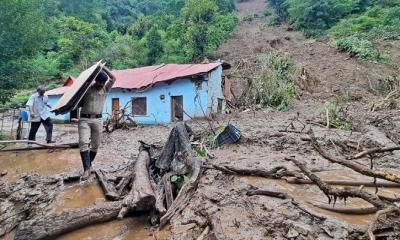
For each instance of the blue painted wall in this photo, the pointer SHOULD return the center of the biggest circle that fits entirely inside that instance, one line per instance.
(198, 99)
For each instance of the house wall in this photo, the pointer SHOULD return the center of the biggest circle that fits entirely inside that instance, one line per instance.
(215, 90)
(198, 100)
(159, 110)
(52, 101)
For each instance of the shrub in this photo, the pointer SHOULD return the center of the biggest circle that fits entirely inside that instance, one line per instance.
(275, 87)
(337, 113)
(361, 48)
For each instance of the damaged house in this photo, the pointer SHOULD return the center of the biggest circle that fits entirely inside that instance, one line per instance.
(160, 94)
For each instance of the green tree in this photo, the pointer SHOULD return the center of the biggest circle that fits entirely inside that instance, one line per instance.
(79, 42)
(197, 16)
(22, 31)
(154, 45)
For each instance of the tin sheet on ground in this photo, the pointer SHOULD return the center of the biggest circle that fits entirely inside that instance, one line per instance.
(70, 100)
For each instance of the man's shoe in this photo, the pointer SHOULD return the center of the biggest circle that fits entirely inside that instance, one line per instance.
(85, 175)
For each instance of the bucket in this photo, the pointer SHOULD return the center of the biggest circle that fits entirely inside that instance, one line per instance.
(24, 116)
(230, 134)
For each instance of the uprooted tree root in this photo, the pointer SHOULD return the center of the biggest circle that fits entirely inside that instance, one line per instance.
(381, 205)
(140, 187)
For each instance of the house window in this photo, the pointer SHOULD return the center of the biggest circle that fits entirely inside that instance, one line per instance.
(139, 106)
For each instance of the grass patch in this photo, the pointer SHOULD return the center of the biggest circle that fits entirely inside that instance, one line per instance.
(336, 110)
(360, 48)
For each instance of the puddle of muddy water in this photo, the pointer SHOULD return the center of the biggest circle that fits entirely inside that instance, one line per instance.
(77, 196)
(40, 161)
(309, 193)
(88, 194)
(128, 229)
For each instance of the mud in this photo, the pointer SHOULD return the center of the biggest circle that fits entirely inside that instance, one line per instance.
(89, 194)
(43, 162)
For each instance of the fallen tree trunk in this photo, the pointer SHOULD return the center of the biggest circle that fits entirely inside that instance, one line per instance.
(141, 195)
(49, 227)
(354, 166)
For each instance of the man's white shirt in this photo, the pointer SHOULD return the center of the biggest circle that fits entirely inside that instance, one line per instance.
(39, 106)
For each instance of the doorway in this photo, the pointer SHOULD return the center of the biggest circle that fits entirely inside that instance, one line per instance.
(176, 108)
(115, 108)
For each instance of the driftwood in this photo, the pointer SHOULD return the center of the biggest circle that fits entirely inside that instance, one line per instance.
(346, 210)
(280, 195)
(293, 180)
(204, 234)
(160, 197)
(178, 142)
(375, 150)
(339, 193)
(109, 189)
(274, 173)
(268, 193)
(378, 214)
(41, 145)
(51, 226)
(123, 184)
(354, 166)
(169, 196)
(185, 194)
(141, 195)
(144, 191)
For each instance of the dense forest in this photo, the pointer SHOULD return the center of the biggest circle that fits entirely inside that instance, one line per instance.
(354, 25)
(42, 41)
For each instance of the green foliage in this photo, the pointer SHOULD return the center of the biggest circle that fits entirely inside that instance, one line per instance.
(355, 24)
(179, 180)
(46, 40)
(18, 100)
(275, 87)
(361, 48)
(22, 31)
(336, 111)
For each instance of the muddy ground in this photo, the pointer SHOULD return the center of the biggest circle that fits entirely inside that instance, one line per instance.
(221, 201)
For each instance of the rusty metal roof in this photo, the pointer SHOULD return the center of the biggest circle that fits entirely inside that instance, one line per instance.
(137, 78)
(61, 90)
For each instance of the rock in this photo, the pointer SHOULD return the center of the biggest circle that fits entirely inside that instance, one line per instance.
(292, 233)
(3, 173)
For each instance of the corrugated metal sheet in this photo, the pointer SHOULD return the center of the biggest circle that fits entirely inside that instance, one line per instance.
(138, 78)
(77, 90)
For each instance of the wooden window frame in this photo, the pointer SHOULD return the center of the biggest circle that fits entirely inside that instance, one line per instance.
(144, 113)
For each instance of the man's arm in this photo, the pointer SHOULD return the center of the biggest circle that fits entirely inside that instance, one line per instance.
(111, 80)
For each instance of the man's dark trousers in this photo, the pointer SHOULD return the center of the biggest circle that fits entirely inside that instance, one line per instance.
(48, 126)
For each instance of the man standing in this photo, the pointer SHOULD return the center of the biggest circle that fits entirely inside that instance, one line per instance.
(38, 109)
(90, 123)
